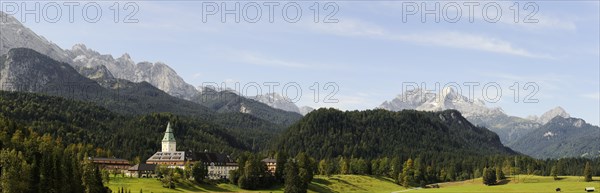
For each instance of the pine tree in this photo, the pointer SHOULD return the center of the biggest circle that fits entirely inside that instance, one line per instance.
(408, 174)
(344, 166)
(281, 159)
(323, 168)
(442, 176)
(553, 172)
(587, 172)
(293, 183)
(199, 172)
(489, 176)
(305, 169)
(499, 174)
(15, 171)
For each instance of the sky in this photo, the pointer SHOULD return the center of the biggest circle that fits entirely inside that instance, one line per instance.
(352, 54)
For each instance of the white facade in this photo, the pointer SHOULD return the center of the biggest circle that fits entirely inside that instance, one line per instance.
(216, 172)
(169, 146)
(168, 142)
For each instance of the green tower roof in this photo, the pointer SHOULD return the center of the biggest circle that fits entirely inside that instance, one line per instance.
(169, 134)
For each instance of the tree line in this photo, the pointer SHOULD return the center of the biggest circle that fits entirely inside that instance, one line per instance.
(32, 163)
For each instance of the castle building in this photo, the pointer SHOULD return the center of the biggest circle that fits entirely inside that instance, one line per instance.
(168, 154)
(218, 165)
(168, 143)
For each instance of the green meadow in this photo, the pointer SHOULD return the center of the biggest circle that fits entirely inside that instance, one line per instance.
(520, 184)
(370, 184)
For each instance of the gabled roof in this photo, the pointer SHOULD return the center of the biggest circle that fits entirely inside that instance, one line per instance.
(207, 157)
(143, 167)
(104, 159)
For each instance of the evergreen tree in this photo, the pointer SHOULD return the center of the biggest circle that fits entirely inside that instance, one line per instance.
(344, 166)
(408, 174)
(14, 172)
(553, 172)
(587, 173)
(254, 174)
(489, 176)
(199, 172)
(92, 180)
(281, 159)
(293, 183)
(323, 167)
(395, 167)
(305, 169)
(499, 174)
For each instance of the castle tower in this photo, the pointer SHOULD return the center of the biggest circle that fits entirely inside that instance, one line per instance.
(168, 141)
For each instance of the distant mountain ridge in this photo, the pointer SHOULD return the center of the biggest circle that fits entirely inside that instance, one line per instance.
(15, 35)
(275, 100)
(522, 134)
(561, 137)
(509, 128)
(549, 115)
(104, 68)
(158, 74)
(227, 101)
(26, 70)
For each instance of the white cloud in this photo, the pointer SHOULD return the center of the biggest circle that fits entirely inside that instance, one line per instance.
(467, 41)
(594, 96)
(453, 39)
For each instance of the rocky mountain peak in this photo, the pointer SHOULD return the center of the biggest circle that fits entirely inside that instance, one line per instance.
(551, 114)
(305, 110)
(448, 98)
(277, 101)
(15, 35)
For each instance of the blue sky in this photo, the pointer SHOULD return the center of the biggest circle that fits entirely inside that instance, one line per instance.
(368, 53)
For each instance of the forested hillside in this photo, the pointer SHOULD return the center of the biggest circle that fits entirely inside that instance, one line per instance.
(129, 136)
(328, 133)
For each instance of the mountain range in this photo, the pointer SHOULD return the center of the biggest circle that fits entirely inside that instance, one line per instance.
(160, 75)
(513, 131)
(31, 63)
(561, 137)
(122, 73)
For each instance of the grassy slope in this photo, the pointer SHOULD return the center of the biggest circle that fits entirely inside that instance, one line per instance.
(356, 184)
(524, 184)
(336, 183)
(353, 183)
(153, 185)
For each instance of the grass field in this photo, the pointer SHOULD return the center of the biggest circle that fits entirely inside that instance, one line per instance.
(148, 185)
(353, 184)
(360, 184)
(522, 184)
(336, 183)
